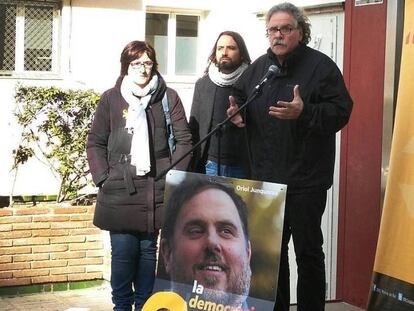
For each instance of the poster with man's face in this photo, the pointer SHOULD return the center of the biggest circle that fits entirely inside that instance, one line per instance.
(220, 244)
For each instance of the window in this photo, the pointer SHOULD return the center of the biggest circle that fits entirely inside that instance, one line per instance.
(174, 38)
(28, 40)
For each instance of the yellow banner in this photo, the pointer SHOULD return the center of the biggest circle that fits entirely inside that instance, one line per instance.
(395, 251)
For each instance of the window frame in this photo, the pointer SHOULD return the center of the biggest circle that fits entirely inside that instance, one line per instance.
(170, 75)
(19, 72)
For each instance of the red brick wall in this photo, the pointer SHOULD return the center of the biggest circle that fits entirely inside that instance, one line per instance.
(48, 243)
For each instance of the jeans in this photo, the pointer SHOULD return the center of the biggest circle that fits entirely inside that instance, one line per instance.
(225, 170)
(303, 215)
(133, 265)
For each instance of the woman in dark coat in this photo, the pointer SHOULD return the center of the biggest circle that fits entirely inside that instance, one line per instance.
(127, 147)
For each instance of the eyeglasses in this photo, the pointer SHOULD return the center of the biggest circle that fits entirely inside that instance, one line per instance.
(284, 30)
(137, 65)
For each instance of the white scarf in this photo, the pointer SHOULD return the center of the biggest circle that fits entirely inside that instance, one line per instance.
(136, 121)
(223, 79)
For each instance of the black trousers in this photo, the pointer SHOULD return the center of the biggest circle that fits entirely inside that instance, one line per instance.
(303, 214)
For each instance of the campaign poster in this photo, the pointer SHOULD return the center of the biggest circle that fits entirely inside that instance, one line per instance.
(392, 286)
(220, 244)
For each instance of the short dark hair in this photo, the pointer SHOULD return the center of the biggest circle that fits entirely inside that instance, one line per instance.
(189, 188)
(134, 50)
(244, 53)
(298, 15)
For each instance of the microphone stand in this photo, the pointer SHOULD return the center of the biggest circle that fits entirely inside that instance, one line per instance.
(219, 128)
(219, 134)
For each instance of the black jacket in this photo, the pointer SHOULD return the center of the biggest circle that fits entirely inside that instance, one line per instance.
(204, 103)
(127, 202)
(301, 152)
(200, 119)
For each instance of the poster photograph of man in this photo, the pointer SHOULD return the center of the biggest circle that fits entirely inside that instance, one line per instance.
(220, 242)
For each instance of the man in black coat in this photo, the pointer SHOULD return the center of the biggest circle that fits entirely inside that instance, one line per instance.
(228, 60)
(291, 128)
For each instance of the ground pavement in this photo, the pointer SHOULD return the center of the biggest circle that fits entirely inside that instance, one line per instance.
(90, 299)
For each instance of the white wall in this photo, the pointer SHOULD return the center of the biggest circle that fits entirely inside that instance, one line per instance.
(9, 137)
(93, 34)
(33, 177)
(98, 31)
(327, 37)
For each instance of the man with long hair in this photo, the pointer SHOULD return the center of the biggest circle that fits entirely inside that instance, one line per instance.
(227, 61)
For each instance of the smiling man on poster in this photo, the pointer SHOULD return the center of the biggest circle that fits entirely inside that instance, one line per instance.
(206, 246)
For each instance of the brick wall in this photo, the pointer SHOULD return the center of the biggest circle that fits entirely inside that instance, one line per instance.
(48, 243)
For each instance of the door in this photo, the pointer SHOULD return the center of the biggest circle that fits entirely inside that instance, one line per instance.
(327, 37)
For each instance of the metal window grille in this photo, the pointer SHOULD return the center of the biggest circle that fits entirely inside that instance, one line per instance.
(28, 34)
(38, 38)
(7, 37)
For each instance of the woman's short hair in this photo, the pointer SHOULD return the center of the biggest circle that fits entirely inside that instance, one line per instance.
(133, 51)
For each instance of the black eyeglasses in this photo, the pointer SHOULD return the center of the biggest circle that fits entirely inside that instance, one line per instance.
(284, 30)
(147, 65)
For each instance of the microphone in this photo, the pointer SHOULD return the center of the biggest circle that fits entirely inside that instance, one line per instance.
(273, 69)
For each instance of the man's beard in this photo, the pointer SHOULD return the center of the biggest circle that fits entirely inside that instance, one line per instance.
(234, 294)
(229, 66)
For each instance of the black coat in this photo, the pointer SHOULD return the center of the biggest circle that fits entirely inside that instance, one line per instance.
(200, 118)
(127, 202)
(205, 101)
(301, 152)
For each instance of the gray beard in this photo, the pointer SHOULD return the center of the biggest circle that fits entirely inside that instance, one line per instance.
(220, 297)
(235, 297)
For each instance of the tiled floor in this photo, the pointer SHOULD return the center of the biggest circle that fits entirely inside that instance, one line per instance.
(92, 299)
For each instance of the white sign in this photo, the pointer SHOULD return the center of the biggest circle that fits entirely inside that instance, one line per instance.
(367, 2)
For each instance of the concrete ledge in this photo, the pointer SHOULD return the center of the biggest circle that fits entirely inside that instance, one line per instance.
(51, 287)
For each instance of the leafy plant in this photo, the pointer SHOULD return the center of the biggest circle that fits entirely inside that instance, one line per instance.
(55, 122)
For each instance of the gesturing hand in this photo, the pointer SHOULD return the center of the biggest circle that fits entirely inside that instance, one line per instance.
(288, 110)
(237, 119)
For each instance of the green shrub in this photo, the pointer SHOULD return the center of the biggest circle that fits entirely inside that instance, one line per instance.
(55, 122)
